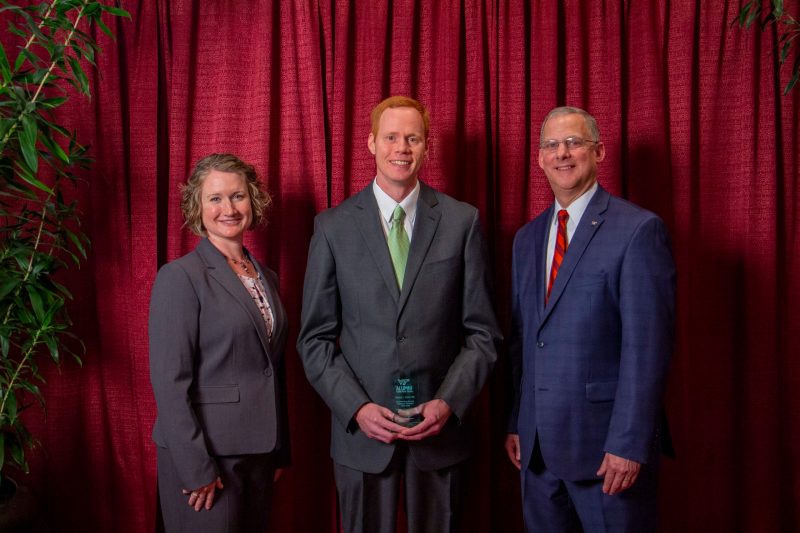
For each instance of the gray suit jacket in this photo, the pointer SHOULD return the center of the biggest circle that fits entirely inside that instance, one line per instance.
(359, 331)
(217, 377)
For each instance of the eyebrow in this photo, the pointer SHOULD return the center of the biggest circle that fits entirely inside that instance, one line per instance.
(221, 194)
(404, 135)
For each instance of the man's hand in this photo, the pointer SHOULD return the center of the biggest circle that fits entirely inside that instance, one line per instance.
(204, 496)
(620, 473)
(434, 416)
(379, 423)
(512, 449)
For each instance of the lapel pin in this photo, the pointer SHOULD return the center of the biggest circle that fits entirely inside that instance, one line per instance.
(594, 222)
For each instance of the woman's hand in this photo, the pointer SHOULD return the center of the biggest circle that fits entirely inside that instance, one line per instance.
(204, 496)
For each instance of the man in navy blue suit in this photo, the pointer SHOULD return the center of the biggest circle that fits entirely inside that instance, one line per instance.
(592, 333)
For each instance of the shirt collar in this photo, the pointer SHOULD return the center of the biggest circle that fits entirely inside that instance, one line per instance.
(578, 206)
(386, 203)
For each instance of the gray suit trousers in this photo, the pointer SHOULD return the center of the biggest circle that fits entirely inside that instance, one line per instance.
(368, 502)
(243, 505)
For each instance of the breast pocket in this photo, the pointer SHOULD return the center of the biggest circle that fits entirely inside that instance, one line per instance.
(443, 265)
(588, 280)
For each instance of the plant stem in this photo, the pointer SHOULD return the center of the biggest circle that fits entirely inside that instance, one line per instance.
(44, 201)
(29, 269)
(25, 357)
(47, 75)
(50, 9)
(45, 17)
(66, 42)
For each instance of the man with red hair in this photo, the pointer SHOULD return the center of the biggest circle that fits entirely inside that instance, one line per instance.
(398, 333)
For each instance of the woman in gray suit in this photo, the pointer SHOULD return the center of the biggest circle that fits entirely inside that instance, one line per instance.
(217, 332)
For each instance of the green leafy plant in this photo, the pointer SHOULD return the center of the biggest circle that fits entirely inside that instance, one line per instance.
(788, 30)
(42, 55)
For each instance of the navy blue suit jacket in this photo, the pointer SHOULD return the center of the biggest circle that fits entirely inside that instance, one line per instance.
(590, 366)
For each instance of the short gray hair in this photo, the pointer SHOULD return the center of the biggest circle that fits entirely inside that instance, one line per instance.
(591, 123)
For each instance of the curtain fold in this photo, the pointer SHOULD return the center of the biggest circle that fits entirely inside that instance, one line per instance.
(696, 129)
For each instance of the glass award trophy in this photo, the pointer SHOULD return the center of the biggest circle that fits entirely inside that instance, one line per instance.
(405, 400)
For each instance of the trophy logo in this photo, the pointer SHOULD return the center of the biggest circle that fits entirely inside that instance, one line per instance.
(405, 399)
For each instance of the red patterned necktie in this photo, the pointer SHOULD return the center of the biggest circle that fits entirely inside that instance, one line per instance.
(560, 250)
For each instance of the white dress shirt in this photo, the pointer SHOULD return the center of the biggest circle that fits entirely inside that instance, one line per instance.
(575, 210)
(386, 205)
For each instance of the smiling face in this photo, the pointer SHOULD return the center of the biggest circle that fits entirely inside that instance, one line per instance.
(226, 212)
(399, 148)
(570, 172)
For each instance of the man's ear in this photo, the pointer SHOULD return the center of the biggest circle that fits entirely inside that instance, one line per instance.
(600, 150)
(371, 143)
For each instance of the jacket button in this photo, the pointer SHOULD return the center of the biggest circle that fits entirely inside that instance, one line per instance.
(540, 344)
(401, 339)
(268, 371)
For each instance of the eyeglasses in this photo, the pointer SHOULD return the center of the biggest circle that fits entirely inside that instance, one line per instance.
(570, 143)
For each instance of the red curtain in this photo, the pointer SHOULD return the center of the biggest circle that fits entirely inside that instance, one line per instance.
(696, 130)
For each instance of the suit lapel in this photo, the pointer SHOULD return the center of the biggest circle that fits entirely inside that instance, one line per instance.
(219, 270)
(425, 225)
(590, 222)
(368, 223)
(279, 319)
(540, 244)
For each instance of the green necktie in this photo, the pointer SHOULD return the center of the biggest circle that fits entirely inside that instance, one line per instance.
(398, 244)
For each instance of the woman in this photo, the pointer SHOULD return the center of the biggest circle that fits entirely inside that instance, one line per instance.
(217, 333)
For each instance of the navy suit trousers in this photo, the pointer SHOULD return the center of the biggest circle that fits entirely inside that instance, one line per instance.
(553, 505)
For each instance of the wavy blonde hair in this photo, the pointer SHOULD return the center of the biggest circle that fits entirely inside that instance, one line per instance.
(192, 204)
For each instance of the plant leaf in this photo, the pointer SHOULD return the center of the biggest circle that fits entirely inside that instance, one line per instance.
(79, 74)
(36, 301)
(32, 388)
(26, 175)
(5, 68)
(18, 455)
(741, 18)
(76, 241)
(51, 103)
(795, 77)
(91, 9)
(116, 11)
(7, 286)
(787, 46)
(52, 345)
(4, 346)
(27, 142)
(15, 30)
(103, 27)
(752, 16)
(11, 407)
(33, 27)
(24, 54)
(55, 148)
(61, 289)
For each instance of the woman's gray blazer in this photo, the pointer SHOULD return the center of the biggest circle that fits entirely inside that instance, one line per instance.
(218, 378)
